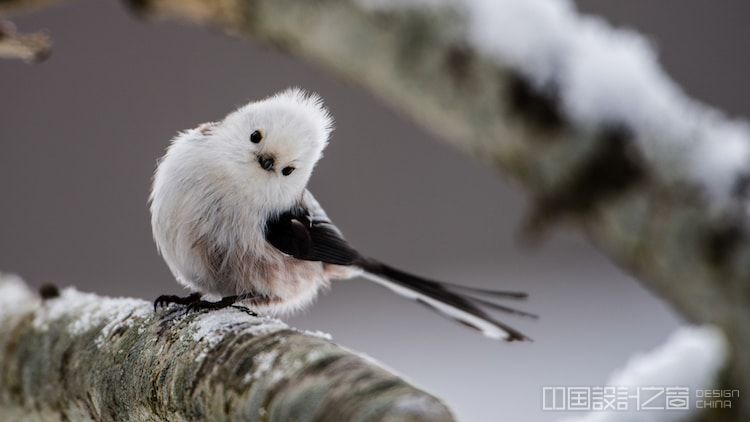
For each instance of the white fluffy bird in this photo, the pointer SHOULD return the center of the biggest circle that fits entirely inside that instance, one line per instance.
(232, 217)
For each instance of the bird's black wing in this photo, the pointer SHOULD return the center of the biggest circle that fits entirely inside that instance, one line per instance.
(305, 232)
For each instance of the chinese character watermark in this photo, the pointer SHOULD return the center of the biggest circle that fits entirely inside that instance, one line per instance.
(631, 398)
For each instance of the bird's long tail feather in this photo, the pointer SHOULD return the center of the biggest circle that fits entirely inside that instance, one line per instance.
(461, 303)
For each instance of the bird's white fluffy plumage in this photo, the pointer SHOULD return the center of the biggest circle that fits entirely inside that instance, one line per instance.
(211, 200)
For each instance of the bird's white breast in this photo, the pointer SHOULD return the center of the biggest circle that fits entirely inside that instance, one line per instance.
(205, 217)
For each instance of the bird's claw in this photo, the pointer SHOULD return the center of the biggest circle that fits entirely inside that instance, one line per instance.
(193, 303)
(165, 300)
(246, 310)
(200, 305)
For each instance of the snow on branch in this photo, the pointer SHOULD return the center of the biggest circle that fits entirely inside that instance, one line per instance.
(603, 77)
(81, 356)
(691, 358)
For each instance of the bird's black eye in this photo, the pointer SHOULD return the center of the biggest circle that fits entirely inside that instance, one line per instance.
(286, 171)
(255, 137)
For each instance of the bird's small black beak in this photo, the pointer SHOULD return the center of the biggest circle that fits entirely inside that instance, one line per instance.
(266, 162)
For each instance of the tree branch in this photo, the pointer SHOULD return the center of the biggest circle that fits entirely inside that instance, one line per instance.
(81, 356)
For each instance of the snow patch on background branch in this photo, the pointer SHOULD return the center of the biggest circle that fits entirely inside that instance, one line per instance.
(605, 78)
(691, 357)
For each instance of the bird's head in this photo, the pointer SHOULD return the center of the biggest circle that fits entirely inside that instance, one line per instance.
(274, 143)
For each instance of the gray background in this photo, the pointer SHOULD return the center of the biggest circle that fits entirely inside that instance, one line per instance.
(81, 132)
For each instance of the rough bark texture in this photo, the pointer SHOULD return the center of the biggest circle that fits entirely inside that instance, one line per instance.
(85, 357)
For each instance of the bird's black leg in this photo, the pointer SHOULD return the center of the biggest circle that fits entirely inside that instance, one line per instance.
(165, 300)
(223, 303)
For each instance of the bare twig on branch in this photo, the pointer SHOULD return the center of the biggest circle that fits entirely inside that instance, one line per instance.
(28, 47)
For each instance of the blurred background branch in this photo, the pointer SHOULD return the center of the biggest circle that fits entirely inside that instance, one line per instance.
(79, 356)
